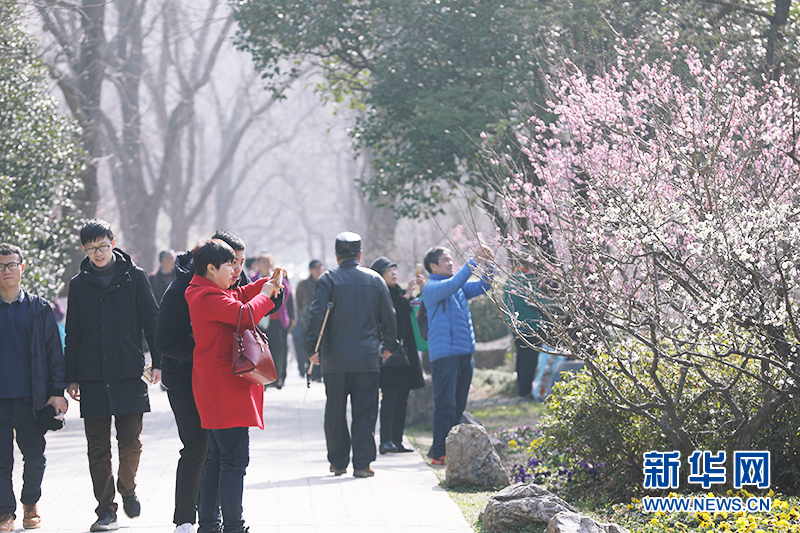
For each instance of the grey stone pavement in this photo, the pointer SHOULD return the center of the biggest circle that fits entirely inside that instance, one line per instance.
(287, 488)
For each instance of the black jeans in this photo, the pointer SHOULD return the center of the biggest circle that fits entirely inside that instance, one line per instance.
(362, 387)
(195, 447)
(527, 360)
(223, 480)
(393, 414)
(16, 414)
(277, 337)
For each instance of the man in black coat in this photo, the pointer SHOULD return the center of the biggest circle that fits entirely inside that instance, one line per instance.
(175, 342)
(110, 304)
(31, 378)
(361, 317)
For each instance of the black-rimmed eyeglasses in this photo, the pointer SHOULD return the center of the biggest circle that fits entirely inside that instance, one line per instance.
(9, 266)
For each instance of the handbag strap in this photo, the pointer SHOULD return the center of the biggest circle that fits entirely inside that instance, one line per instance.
(257, 332)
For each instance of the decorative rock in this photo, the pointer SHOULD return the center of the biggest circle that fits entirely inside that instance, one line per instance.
(469, 418)
(492, 354)
(419, 409)
(472, 460)
(519, 505)
(499, 444)
(569, 522)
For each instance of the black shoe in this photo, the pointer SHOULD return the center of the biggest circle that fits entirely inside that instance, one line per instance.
(401, 448)
(387, 447)
(107, 521)
(131, 505)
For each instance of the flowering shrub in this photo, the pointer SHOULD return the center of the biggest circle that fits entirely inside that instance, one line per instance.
(784, 517)
(549, 467)
(658, 204)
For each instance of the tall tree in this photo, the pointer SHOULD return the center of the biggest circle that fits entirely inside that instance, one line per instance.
(39, 161)
(432, 76)
(165, 155)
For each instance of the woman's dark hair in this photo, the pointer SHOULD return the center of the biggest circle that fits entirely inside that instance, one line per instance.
(432, 256)
(95, 230)
(211, 252)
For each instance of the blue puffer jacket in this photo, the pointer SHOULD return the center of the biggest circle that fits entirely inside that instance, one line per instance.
(450, 330)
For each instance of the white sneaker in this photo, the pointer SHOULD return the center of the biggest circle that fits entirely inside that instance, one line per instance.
(185, 528)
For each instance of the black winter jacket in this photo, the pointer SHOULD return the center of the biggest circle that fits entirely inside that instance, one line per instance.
(47, 358)
(174, 338)
(362, 316)
(403, 377)
(104, 338)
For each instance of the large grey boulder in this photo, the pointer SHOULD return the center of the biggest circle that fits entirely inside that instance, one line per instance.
(519, 505)
(569, 522)
(492, 354)
(472, 459)
(419, 408)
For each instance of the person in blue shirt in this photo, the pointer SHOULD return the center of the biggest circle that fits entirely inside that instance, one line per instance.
(451, 338)
(32, 376)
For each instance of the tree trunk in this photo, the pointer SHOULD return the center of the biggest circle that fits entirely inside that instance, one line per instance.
(138, 210)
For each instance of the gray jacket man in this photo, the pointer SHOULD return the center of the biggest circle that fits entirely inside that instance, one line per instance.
(362, 317)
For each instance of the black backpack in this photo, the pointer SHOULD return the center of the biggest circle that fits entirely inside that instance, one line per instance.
(422, 317)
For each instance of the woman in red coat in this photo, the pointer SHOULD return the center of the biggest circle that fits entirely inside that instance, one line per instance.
(228, 405)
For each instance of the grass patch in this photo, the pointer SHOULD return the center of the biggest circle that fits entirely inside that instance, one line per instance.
(520, 414)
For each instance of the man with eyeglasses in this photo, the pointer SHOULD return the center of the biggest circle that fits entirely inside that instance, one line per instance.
(110, 304)
(31, 378)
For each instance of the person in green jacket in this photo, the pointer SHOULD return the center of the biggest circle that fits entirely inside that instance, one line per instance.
(525, 303)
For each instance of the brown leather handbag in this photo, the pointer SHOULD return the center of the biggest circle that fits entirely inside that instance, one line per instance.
(251, 357)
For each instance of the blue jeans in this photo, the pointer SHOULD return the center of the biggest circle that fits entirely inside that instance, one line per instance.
(223, 481)
(17, 414)
(451, 379)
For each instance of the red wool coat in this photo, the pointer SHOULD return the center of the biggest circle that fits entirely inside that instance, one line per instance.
(223, 400)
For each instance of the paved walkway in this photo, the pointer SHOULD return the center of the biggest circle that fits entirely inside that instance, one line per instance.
(287, 488)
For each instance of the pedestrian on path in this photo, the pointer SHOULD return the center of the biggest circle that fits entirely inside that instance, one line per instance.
(110, 305)
(526, 304)
(451, 337)
(304, 295)
(397, 380)
(31, 378)
(228, 405)
(280, 323)
(163, 275)
(175, 342)
(361, 317)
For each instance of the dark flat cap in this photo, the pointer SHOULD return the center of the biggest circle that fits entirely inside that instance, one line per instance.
(382, 264)
(348, 243)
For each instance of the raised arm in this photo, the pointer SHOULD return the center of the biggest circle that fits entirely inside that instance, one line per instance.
(437, 290)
